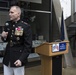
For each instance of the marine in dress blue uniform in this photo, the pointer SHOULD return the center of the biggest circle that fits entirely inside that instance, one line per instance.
(18, 36)
(19, 42)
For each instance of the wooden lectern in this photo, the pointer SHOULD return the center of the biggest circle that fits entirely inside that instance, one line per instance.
(51, 57)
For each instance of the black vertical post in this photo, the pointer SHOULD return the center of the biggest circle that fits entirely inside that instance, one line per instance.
(56, 60)
(57, 65)
(50, 22)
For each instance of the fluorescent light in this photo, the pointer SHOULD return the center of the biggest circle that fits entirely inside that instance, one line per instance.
(34, 1)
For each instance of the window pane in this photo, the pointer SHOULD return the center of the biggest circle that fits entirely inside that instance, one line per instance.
(44, 5)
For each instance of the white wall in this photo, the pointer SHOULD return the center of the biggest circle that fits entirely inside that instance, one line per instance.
(66, 6)
(75, 5)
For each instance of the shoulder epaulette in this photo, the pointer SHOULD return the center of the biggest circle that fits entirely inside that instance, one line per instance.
(24, 22)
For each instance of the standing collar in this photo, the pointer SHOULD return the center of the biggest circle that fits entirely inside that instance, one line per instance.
(16, 21)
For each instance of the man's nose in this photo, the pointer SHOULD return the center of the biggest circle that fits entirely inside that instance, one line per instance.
(9, 14)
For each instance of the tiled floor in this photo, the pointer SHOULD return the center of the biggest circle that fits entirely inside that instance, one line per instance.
(33, 70)
(36, 70)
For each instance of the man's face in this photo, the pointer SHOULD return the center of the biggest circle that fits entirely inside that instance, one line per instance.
(14, 14)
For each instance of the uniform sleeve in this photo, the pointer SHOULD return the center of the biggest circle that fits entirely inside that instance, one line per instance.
(27, 43)
(5, 29)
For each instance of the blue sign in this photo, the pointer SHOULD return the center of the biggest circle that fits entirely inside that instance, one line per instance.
(62, 46)
(59, 47)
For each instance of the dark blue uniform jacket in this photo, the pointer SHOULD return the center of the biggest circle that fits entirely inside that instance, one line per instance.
(19, 42)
